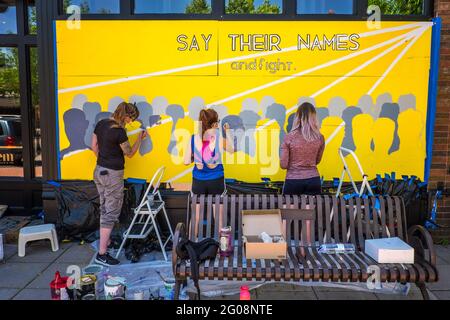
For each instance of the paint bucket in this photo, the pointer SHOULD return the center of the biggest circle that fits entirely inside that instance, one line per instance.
(169, 285)
(92, 269)
(115, 288)
(89, 297)
(58, 287)
(87, 286)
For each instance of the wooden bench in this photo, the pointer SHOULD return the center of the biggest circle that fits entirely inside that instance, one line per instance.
(331, 219)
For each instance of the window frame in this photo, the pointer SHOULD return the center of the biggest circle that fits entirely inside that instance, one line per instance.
(22, 40)
(289, 13)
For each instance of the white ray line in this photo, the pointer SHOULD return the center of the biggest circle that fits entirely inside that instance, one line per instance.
(181, 175)
(223, 61)
(407, 36)
(302, 73)
(394, 63)
(72, 153)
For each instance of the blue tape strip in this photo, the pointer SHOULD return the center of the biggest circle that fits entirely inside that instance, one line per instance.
(136, 181)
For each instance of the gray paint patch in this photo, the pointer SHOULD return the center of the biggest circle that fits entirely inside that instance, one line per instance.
(114, 103)
(75, 126)
(348, 116)
(336, 106)
(406, 102)
(159, 105)
(90, 109)
(78, 101)
(250, 120)
(195, 106)
(391, 111)
(176, 112)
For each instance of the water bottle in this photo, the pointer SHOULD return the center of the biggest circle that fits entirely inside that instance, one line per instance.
(226, 245)
(245, 293)
(336, 248)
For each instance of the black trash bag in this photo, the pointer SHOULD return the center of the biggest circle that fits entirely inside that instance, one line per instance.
(240, 187)
(78, 206)
(78, 209)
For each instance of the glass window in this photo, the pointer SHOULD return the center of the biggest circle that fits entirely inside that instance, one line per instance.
(31, 10)
(173, 6)
(325, 6)
(8, 18)
(253, 6)
(94, 6)
(35, 112)
(11, 162)
(399, 7)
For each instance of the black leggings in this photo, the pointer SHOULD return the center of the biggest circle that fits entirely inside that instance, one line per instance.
(207, 187)
(305, 186)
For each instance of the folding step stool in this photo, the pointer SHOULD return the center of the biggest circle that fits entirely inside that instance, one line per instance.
(144, 221)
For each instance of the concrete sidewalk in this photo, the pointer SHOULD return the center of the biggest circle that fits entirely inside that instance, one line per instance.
(28, 278)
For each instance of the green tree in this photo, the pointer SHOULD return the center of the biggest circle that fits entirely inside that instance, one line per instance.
(199, 7)
(268, 8)
(84, 6)
(399, 7)
(9, 75)
(240, 7)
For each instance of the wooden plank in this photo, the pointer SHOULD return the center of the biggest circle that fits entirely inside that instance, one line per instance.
(264, 201)
(391, 216)
(298, 267)
(361, 240)
(327, 201)
(217, 216)
(209, 219)
(352, 217)
(368, 234)
(319, 209)
(398, 216)
(376, 228)
(200, 219)
(193, 218)
(343, 209)
(336, 214)
(383, 217)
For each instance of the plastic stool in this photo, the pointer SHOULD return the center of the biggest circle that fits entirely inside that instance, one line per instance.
(40, 232)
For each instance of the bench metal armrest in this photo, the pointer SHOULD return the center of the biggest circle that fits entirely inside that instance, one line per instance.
(420, 239)
(180, 232)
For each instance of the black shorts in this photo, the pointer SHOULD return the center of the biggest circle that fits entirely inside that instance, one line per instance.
(298, 187)
(213, 187)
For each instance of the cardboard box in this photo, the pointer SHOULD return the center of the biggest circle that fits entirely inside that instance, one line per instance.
(254, 222)
(10, 228)
(389, 250)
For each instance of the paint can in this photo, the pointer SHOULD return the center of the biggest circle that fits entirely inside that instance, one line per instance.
(87, 286)
(89, 297)
(92, 269)
(114, 288)
(58, 287)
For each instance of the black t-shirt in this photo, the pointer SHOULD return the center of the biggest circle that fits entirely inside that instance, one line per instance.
(110, 154)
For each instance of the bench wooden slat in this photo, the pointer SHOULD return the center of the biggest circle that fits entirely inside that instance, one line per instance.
(233, 214)
(384, 228)
(319, 206)
(359, 213)
(352, 217)
(336, 220)
(343, 219)
(391, 217)
(368, 233)
(218, 216)
(375, 216)
(398, 220)
(209, 216)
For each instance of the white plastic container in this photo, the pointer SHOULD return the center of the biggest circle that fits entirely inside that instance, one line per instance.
(390, 250)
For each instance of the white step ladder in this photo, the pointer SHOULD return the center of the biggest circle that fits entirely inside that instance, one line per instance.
(144, 220)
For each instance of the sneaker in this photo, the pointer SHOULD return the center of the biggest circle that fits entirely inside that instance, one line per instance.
(106, 260)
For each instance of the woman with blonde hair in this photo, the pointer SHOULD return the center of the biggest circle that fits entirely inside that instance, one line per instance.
(110, 144)
(301, 152)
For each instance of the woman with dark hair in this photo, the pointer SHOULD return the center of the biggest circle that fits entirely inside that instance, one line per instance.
(301, 152)
(110, 144)
(205, 150)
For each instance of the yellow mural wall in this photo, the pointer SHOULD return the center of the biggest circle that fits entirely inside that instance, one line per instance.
(370, 87)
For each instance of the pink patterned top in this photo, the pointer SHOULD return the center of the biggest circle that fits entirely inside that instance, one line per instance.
(301, 157)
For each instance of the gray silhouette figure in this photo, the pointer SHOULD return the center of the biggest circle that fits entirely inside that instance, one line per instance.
(265, 103)
(237, 127)
(113, 103)
(367, 106)
(348, 115)
(290, 122)
(406, 102)
(391, 111)
(302, 100)
(159, 105)
(322, 113)
(101, 116)
(250, 104)
(75, 126)
(381, 100)
(153, 120)
(90, 109)
(78, 101)
(277, 112)
(145, 112)
(336, 106)
(176, 112)
(250, 120)
(136, 99)
(195, 106)
(221, 110)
